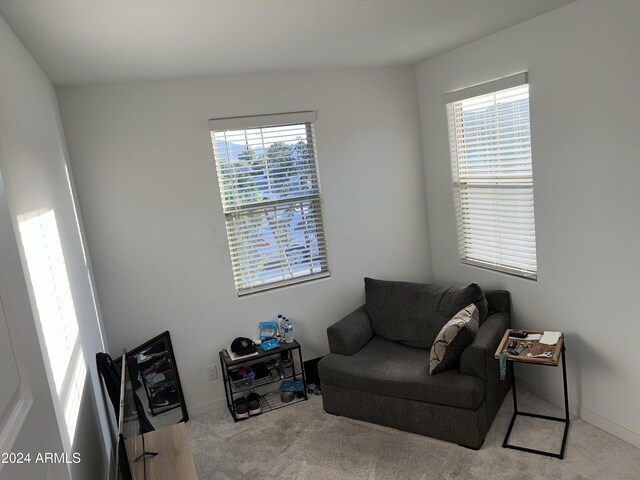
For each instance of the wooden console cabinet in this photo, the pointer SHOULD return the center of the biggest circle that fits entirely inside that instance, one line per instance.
(174, 459)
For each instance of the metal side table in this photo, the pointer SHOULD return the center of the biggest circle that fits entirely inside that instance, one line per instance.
(557, 351)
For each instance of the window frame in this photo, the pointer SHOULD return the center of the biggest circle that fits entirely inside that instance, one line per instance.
(312, 201)
(464, 185)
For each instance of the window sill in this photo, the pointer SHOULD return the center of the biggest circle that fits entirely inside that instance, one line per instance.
(502, 269)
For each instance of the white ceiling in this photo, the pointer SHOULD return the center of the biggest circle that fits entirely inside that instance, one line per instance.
(80, 41)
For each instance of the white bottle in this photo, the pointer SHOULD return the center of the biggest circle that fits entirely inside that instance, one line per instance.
(280, 322)
(287, 330)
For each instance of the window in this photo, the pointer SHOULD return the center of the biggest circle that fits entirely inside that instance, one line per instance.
(490, 145)
(271, 199)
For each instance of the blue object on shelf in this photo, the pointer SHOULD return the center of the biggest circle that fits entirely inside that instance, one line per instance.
(268, 330)
(270, 345)
(292, 386)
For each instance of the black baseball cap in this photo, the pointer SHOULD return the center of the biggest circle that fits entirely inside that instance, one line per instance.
(243, 346)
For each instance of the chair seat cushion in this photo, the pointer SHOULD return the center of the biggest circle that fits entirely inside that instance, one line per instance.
(392, 369)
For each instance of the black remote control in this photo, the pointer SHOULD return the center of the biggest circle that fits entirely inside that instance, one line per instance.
(518, 334)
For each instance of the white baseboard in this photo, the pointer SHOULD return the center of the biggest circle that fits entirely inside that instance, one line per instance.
(213, 405)
(588, 416)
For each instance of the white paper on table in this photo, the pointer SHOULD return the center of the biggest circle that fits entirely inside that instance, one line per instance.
(550, 338)
(235, 356)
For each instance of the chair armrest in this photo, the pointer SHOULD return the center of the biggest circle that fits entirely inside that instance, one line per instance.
(477, 359)
(350, 334)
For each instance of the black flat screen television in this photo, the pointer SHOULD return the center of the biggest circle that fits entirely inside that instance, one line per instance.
(131, 455)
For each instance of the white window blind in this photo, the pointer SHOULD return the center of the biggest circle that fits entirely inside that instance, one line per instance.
(490, 144)
(270, 193)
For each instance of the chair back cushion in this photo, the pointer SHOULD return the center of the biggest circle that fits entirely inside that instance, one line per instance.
(414, 313)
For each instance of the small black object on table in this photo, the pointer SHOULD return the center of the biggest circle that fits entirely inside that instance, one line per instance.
(537, 348)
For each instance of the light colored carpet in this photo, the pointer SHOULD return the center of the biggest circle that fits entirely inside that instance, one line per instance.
(302, 442)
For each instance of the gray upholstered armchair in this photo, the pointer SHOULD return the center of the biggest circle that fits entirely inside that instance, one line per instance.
(377, 368)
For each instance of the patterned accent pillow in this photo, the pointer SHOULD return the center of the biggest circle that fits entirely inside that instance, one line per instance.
(453, 338)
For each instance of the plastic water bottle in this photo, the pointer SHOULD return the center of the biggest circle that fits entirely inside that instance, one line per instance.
(287, 330)
(280, 322)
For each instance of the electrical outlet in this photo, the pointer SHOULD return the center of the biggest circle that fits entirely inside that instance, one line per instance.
(212, 372)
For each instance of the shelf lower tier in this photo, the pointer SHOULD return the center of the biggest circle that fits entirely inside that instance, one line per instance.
(261, 382)
(271, 401)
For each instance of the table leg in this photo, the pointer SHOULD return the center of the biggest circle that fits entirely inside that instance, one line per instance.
(566, 403)
(513, 387)
(564, 420)
(304, 377)
(515, 405)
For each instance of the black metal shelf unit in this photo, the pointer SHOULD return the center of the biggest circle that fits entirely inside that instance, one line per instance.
(270, 400)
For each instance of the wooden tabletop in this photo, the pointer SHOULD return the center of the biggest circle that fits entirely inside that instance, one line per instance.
(535, 349)
(174, 459)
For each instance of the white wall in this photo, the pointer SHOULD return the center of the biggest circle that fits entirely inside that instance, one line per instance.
(34, 173)
(583, 63)
(39, 432)
(142, 157)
